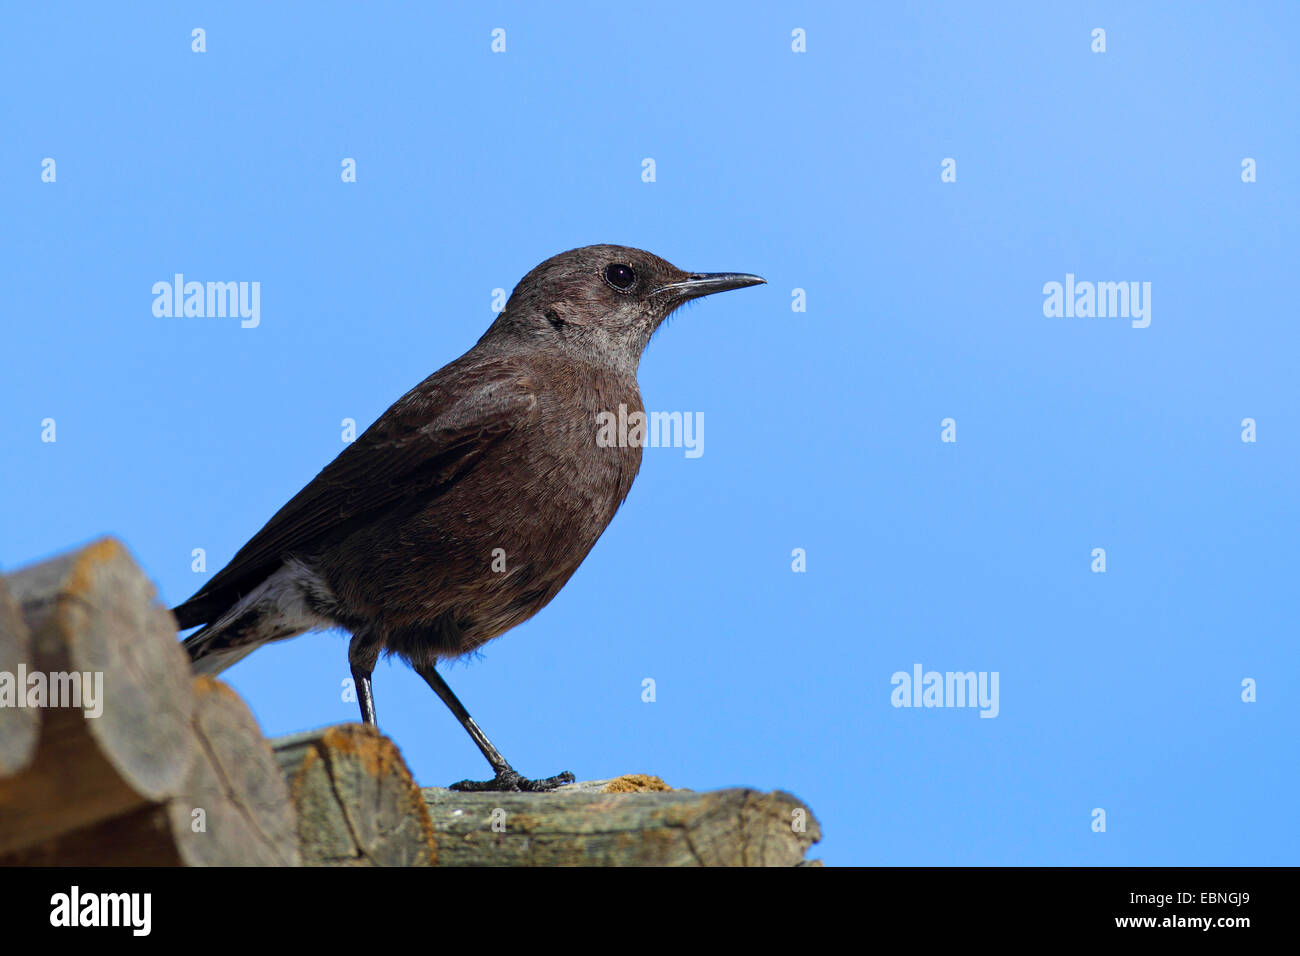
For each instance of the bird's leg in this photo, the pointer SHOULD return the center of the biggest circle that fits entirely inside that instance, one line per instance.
(365, 696)
(506, 777)
(363, 653)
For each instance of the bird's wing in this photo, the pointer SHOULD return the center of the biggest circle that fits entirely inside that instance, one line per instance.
(428, 439)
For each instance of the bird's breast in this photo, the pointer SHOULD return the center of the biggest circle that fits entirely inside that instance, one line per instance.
(498, 546)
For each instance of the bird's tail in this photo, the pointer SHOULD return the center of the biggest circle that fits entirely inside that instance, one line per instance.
(274, 610)
(211, 649)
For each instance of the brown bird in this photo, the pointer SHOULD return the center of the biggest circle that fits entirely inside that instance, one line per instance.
(465, 508)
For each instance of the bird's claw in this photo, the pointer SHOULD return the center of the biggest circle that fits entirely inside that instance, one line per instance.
(511, 781)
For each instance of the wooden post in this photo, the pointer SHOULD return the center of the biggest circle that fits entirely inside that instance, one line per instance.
(111, 753)
(126, 750)
(19, 726)
(634, 820)
(356, 801)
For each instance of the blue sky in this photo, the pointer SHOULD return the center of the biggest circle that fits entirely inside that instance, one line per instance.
(821, 171)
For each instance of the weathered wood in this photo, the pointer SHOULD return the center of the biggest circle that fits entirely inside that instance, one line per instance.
(232, 810)
(115, 779)
(91, 612)
(234, 807)
(141, 837)
(356, 802)
(633, 820)
(161, 768)
(19, 726)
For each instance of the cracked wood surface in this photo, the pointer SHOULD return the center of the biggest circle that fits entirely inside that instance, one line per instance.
(634, 820)
(358, 805)
(171, 770)
(356, 802)
(176, 771)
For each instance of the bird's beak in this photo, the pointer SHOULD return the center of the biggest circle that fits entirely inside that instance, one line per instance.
(707, 283)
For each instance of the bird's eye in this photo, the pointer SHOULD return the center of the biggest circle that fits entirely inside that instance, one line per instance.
(621, 277)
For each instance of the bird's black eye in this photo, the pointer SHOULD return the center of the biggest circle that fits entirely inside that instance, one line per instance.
(621, 277)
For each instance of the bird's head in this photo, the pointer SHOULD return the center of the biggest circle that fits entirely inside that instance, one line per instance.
(601, 304)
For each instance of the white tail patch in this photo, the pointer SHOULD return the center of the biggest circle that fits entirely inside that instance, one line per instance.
(275, 610)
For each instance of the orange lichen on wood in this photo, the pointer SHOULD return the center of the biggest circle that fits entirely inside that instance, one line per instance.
(636, 783)
(357, 803)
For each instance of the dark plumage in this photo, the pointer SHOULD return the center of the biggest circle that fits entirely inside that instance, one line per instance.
(490, 461)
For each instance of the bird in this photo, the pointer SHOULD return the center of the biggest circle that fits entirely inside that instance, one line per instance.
(468, 504)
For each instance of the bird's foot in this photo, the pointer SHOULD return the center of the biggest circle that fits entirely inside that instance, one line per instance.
(509, 780)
